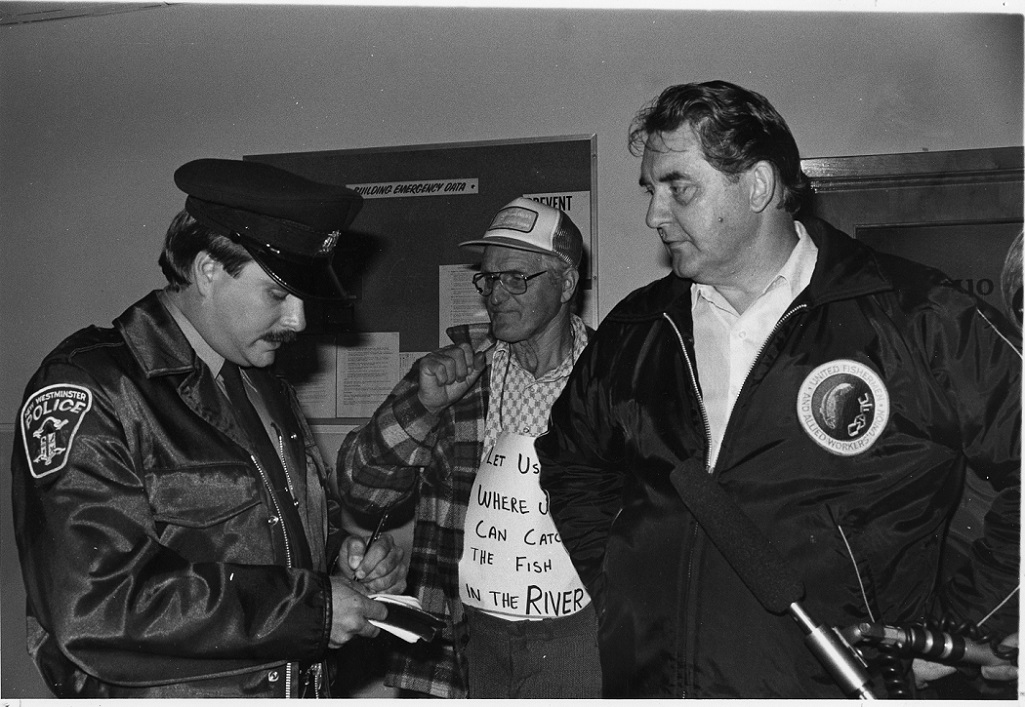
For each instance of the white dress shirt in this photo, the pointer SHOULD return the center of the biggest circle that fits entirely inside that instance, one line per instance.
(726, 343)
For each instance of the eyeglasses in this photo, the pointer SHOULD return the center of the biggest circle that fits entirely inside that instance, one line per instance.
(514, 282)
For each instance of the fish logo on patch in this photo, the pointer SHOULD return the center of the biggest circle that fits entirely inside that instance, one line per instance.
(49, 420)
(843, 406)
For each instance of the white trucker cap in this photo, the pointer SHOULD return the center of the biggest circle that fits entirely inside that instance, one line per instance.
(525, 224)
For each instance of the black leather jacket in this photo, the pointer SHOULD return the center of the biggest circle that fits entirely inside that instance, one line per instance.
(877, 388)
(153, 554)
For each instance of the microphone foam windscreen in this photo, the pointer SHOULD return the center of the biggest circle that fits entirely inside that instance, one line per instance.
(743, 545)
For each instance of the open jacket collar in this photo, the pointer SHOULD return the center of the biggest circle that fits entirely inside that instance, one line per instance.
(161, 349)
(845, 269)
(156, 341)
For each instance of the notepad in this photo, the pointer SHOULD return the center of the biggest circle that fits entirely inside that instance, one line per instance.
(407, 619)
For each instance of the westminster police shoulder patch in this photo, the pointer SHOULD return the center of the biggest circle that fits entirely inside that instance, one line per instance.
(843, 406)
(49, 420)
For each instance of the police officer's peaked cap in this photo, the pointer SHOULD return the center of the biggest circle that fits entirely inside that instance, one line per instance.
(290, 225)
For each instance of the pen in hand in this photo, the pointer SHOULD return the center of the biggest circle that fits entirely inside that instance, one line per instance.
(377, 531)
(373, 538)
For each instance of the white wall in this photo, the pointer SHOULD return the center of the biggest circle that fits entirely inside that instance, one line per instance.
(96, 113)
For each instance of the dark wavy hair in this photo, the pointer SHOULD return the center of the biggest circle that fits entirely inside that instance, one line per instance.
(736, 128)
(186, 238)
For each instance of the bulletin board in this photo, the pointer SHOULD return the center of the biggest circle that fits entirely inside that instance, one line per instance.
(409, 278)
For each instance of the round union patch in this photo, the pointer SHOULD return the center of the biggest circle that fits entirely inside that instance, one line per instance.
(843, 406)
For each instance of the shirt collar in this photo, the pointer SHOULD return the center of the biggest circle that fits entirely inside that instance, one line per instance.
(206, 354)
(795, 273)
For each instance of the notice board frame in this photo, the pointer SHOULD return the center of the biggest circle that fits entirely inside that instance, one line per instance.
(438, 194)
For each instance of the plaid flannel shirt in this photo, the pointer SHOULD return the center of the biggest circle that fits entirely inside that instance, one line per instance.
(405, 452)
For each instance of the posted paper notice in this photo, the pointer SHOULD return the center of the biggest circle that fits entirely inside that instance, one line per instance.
(367, 373)
(458, 300)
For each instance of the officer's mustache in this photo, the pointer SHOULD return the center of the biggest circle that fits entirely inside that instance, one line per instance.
(281, 337)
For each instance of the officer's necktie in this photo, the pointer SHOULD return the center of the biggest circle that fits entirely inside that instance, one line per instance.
(265, 453)
(244, 411)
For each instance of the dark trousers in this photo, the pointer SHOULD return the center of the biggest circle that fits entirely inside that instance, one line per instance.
(552, 658)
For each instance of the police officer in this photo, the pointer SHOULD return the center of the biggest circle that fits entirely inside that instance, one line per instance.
(177, 529)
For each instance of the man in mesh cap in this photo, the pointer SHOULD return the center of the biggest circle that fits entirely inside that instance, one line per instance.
(457, 436)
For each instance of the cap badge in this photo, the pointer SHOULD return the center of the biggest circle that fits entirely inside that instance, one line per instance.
(514, 218)
(329, 243)
(843, 406)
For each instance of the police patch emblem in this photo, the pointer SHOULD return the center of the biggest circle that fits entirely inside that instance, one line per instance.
(843, 406)
(49, 420)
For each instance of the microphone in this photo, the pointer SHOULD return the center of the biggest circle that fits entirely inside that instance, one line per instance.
(766, 575)
(937, 646)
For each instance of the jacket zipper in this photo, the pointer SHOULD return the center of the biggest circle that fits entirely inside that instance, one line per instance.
(693, 376)
(288, 550)
(277, 509)
(782, 320)
(316, 670)
(708, 468)
(697, 393)
(316, 674)
(704, 413)
(284, 465)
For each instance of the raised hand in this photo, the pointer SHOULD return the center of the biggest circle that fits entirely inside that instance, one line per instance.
(446, 375)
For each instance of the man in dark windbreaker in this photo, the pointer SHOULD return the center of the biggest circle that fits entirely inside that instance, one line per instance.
(178, 532)
(832, 395)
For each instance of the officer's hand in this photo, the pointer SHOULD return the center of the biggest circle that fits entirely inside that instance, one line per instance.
(380, 570)
(350, 611)
(446, 375)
